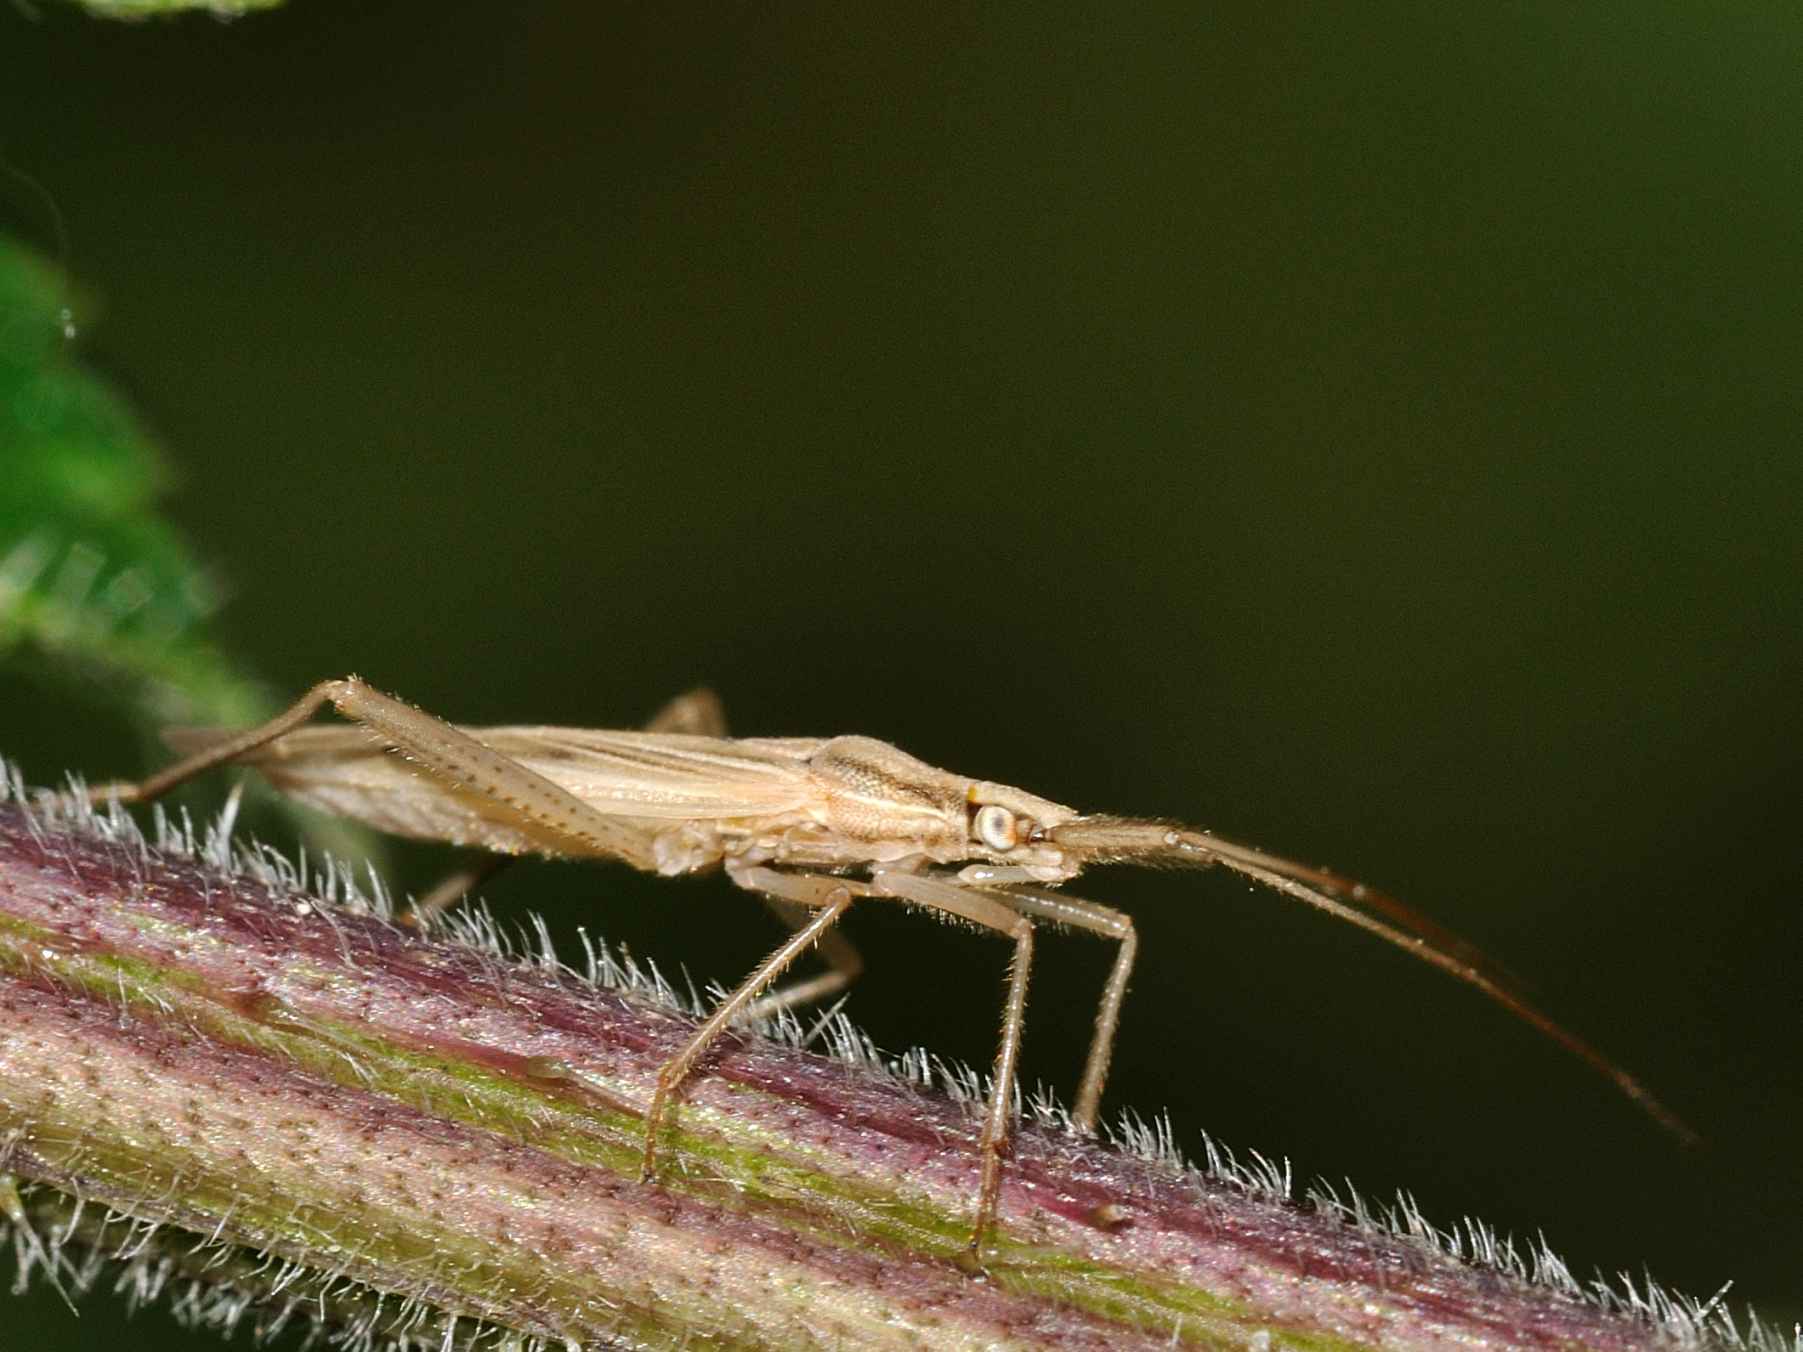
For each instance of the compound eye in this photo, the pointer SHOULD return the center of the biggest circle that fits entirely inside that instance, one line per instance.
(994, 826)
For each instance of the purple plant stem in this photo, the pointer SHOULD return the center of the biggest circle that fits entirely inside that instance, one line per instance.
(223, 1053)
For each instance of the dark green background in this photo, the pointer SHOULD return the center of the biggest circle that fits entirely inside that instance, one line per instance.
(1373, 436)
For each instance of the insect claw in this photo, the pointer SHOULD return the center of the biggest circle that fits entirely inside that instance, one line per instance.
(970, 1258)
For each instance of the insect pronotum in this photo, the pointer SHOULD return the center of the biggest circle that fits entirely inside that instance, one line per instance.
(808, 823)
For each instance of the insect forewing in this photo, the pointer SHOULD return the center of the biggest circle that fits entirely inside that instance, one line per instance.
(645, 776)
(665, 775)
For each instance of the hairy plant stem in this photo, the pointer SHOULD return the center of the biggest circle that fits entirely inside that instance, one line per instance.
(426, 1141)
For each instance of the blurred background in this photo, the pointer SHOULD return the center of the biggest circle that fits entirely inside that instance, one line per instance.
(1374, 436)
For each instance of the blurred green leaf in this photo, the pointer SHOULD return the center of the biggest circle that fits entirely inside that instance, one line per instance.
(144, 9)
(94, 584)
(101, 600)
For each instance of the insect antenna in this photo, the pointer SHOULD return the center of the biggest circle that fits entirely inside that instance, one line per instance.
(1128, 840)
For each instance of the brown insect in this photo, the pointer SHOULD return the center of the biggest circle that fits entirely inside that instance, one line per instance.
(811, 824)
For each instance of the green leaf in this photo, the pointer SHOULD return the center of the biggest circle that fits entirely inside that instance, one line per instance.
(93, 582)
(144, 9)
(102, 600)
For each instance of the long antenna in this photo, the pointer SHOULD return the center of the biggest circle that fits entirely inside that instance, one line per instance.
(1128, 840)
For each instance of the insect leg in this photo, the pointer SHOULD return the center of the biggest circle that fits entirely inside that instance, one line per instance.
(1111, 924)
(445, 751)
(990, 913)
(698, 712)
(789, 895)
(219, 753)
(834, 899)
(453, 888)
